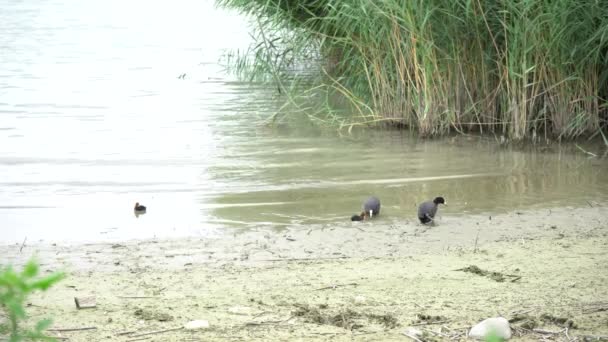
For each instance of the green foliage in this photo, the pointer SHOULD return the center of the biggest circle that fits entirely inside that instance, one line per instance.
(519, 68)
(493, 337)
(15, 287)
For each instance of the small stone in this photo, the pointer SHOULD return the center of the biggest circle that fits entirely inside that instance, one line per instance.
(197, 324)
(359, 300)
(85, 302)
(411, 331)
(499, 326)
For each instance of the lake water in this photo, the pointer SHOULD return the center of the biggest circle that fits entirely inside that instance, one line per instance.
(94, 117)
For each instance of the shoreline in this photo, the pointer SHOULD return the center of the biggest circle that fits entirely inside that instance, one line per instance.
(376, 238)
(356, 282)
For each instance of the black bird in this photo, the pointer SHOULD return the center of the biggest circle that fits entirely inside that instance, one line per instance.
(371, 207)
(428, 209)
(139, 207)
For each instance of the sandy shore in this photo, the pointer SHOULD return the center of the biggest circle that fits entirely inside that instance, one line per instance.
(360, 281)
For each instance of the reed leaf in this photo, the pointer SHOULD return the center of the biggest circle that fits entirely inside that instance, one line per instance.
(512, 67)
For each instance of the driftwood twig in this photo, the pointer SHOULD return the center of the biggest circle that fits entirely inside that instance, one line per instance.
(265, 322)
(476, 240)
(436, 333)
(547, 332)
(157, 332)
(128, 332)
(23, 244)
(336, 286)
(268, 322)
(138, 339)
(307, 259)
(429, 323)
(72, 329)
(412, 337)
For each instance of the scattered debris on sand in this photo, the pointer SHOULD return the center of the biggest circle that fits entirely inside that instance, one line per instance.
(496, 276)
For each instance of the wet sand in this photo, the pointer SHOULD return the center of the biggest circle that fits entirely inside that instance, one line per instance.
(360, 281)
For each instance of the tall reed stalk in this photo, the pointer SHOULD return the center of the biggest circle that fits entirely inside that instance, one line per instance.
(517, 68)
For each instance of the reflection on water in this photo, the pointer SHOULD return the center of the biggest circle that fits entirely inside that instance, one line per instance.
(333, 177)
(95, 115)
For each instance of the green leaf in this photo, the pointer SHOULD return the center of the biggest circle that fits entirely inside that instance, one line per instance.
(37, 336)
(30, 270)
(492, 337)
(43, 324)
(45, 283)
(16, 309)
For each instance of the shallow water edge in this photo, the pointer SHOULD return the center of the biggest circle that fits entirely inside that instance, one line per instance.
(269, 285)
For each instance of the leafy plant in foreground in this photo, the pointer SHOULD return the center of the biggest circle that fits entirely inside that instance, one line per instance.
(15, 287)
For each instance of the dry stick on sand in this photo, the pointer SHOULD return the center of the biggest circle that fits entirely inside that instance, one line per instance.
(138, 339)
(261, 314)
(336, 286)
(23, 244)
(436, 333)
(269, 322)
(308, 259)
(476, 239)
(129, 332)
(412, 337)
(522, 312)
(429, 323)
(72, 329)
(548, 332)
(157, 332)
(265, 322)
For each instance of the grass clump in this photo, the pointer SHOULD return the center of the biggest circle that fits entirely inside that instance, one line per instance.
(15, 287)
(345, 318)
(559, 321)
(514, 68)
(496, 276)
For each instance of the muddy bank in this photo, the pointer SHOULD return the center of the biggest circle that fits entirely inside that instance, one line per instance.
(544, 269)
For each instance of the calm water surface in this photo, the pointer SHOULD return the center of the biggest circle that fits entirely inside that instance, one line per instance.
(93, 118)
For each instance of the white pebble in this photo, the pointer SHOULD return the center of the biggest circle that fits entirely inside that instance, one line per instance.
(411, 331)
(498, 325)
(198, 324)
(360, 300)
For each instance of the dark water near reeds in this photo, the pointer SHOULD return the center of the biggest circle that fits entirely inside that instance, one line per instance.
(93, 118)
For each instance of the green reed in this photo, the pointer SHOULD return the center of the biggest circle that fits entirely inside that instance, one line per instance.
(517, 68)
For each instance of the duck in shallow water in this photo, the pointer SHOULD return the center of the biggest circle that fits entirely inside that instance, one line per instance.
(371, 207)
(428, 209)
(139, 207)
